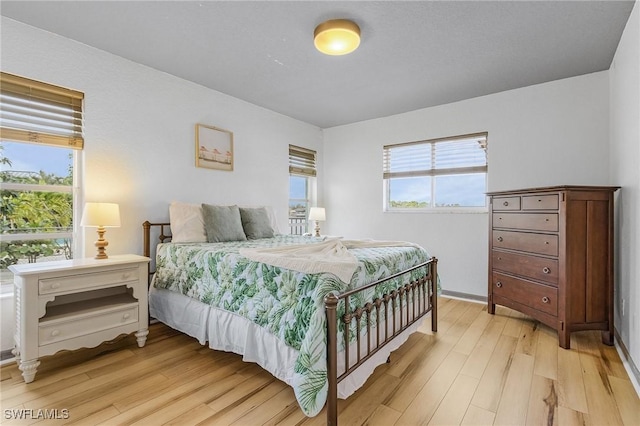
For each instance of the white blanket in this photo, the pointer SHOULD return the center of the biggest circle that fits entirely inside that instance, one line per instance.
(331, 256)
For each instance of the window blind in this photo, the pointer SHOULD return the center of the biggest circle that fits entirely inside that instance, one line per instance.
(36, 112)
(302, 161)
(457, 155)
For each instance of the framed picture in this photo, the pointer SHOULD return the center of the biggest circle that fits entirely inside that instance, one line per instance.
(214, 148)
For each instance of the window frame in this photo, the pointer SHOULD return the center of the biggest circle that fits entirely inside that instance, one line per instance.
(433, 173)
(30, 103)
(302, 163)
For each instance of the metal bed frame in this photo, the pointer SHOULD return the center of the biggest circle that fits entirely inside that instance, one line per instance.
(408, 304)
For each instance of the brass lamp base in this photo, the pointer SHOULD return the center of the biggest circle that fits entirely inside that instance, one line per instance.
(101, 244)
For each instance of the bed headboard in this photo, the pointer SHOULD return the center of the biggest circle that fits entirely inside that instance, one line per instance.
(161, 231)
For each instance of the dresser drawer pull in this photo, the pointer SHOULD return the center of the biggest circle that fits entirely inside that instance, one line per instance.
(55, 333)
(545, 299)
(500, 239)
(125, 317)
(498, 284)
(546, 270)
(55, 286)
(506, 203)
(126, 275)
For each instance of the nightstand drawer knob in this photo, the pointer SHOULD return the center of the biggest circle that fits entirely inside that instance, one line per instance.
(498, 284)
(545, 299)
(506, 203)
(125, 317)
(55, 285)
(546, 270)
(55, 333)
(126, 276)
(500, 239)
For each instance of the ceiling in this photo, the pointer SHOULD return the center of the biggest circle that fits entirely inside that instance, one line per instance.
(412, 55)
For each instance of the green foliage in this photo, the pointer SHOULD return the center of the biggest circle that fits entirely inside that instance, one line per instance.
(34, 211)
(409, 204)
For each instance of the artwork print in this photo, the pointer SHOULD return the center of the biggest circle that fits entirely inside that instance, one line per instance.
(214, 148)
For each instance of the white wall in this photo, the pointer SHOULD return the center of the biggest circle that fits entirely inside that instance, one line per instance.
(139, 134)
(625, 171)
(548, 134)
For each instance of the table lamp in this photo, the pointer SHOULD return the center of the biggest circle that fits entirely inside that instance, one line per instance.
(317, 214)
(101, 215)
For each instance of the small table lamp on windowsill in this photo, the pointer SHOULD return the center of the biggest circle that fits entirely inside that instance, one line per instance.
(317, 214)
(101, 215)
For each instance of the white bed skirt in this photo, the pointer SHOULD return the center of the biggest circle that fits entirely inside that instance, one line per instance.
(230, 332)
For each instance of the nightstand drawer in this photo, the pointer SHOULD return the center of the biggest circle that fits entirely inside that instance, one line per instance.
(531, 221)
(69, 327)
(526, 241)
(72, 283)
(537, 296)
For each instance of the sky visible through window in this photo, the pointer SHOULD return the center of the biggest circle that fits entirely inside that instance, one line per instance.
(26, 157)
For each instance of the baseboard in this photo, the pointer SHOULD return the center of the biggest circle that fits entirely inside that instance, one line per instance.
(6, 357)
(627, 361)
(464, 296)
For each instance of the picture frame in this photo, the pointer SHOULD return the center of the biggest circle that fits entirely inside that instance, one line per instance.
(214, 148)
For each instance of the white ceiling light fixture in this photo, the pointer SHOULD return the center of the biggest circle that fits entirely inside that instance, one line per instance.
(337, 37)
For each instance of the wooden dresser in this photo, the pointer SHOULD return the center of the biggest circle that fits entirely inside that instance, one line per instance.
(551, 256)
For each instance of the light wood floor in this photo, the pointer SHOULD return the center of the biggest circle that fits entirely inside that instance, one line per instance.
(478, 369)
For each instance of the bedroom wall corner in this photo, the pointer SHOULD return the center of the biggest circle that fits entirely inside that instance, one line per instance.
(624, 86)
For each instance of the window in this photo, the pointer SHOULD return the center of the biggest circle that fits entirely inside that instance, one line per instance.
(302, 169)
(40, 134)
(447, 173)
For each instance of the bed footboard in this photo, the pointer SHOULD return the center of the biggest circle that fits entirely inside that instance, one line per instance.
(391, 314)
(402, 307)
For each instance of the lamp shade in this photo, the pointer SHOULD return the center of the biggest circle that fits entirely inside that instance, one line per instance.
(317, 213)
(105, 215)
(337, 37)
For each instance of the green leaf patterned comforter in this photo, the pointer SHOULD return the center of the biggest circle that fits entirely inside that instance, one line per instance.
(287, 303)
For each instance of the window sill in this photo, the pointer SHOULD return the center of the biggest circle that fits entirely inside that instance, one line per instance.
(444, 210)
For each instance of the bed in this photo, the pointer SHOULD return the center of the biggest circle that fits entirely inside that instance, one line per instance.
(318, 313)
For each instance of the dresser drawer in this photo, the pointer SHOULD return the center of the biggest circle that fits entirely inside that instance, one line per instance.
(540, 202)
(532, 221)
(537, 296)
(70, 327)
(506, 203)
(527, 266)
(73, 283)
(526, 241)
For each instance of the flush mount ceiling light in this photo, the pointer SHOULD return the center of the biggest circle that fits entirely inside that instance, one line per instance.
(337, 37)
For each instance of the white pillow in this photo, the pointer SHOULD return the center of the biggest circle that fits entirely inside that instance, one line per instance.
(187, 223)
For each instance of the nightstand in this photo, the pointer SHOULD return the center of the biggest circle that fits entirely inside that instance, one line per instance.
(77, 303)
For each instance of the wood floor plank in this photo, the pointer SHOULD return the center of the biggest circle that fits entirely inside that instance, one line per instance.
(481, 354)
(626, 399)
(546, 353)
(426, 402)
(489, 389)
(175, 380)
(600, 399)
(571, 390)
(454, 405)
(476, 416)
(514, 402)
(543, 402)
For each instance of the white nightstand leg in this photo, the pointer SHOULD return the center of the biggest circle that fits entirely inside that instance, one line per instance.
(29, 369)
(141, 337)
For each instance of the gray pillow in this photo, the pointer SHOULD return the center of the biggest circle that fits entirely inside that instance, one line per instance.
(256, 223)
(222, 223)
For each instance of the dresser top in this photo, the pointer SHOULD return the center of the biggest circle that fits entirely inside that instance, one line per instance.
(556, 189)
(82, 263)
